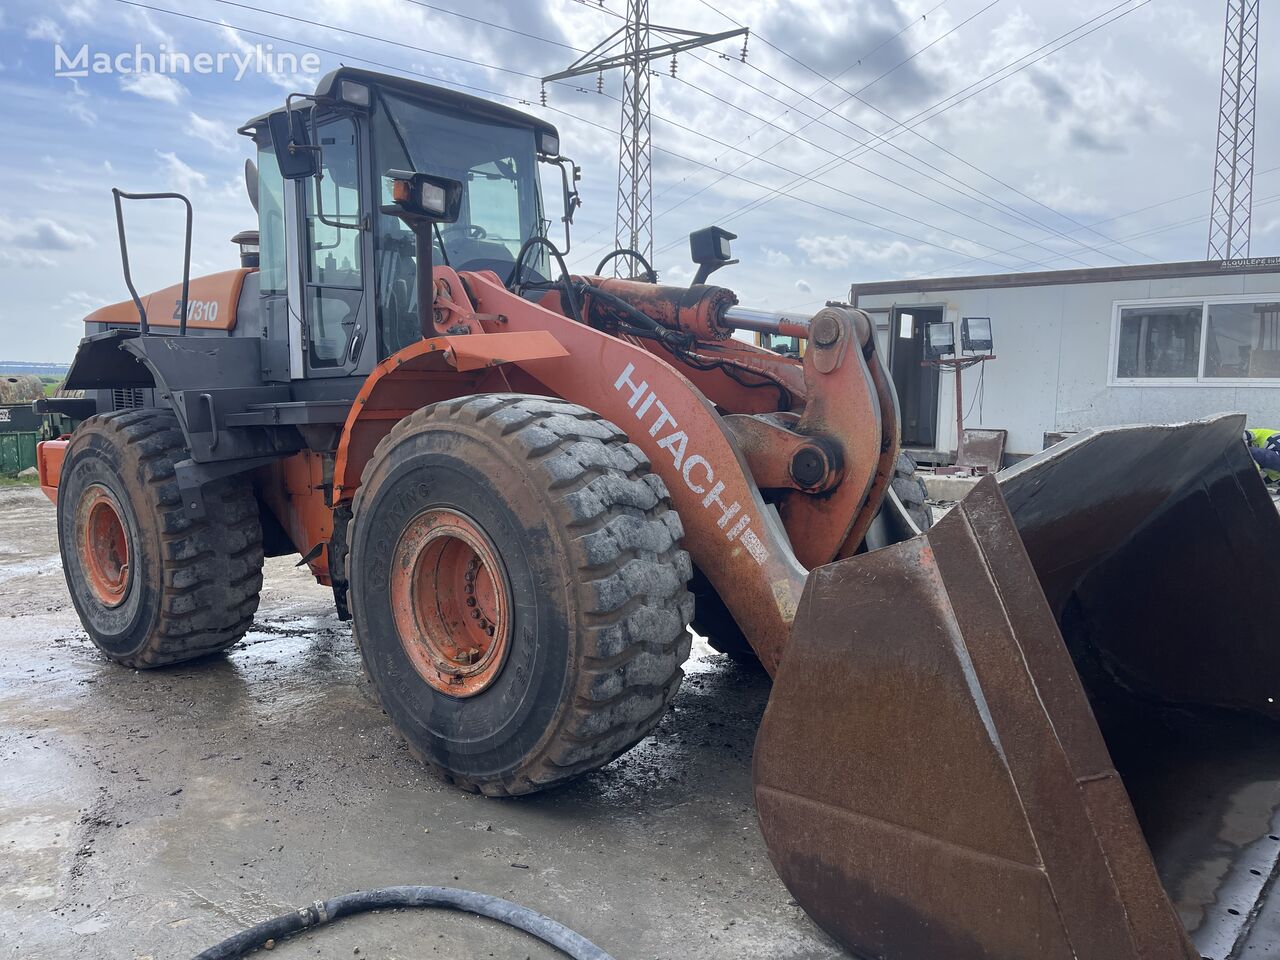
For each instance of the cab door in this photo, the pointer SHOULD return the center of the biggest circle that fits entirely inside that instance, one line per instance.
(336, 248)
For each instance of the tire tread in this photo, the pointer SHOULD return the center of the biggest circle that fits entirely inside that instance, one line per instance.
(205, 606)
(631, 576)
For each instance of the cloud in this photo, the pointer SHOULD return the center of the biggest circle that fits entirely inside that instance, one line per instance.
(25, 259)
(1095, 140)
(180, 175)
(776, 258)
(211, 132)
(286, 81)
(803, 286)
(81, 12)
(1057, 98)
(76, 104)
(844, 251)
(1066, 197)
(153, 86)
(42, 233)
(677, 273)
(44, 29)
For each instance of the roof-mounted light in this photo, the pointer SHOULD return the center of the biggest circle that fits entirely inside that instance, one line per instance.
(548, 143)
(356, 94)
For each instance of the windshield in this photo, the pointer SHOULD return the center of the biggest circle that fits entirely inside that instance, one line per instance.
(496, 164)
(501, 205)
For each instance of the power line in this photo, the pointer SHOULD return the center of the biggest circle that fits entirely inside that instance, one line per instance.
(959, 186)
(506, 96)
(924, 115)
(364, 36)
(839, 157)
(634, 208)
(481, 64)
(1135, 212)
(870, 53)
(873, 172)
(636, 203)
(634, 222)
(490, 25)
(956, 98)
(800, 199)
(935, 144)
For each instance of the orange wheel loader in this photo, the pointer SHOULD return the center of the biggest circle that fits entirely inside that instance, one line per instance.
(1044, 728)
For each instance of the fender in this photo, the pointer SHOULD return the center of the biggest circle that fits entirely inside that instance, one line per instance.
(425, 372)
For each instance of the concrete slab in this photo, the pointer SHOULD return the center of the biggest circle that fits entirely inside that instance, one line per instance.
(948, 488)
(151, 814)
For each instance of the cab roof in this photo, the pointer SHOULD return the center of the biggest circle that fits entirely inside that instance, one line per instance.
(425, 92)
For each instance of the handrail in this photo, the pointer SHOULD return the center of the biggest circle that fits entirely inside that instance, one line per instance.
(118, 195)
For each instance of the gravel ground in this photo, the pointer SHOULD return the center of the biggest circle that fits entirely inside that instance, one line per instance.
(151, 814)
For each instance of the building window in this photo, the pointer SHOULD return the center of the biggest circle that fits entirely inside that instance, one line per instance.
(1244, 341)
(1202, 341)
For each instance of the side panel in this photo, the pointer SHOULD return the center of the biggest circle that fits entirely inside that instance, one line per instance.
(49, 456)
(293, 489)
(212, 304)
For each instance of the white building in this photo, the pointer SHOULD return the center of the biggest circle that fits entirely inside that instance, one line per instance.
(1084, 348)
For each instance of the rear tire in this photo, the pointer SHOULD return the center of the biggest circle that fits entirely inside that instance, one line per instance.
(568, 550)
(153, 586)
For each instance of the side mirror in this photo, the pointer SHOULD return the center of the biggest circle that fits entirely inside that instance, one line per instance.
(295, 155)
(425, 197)
(709, 248)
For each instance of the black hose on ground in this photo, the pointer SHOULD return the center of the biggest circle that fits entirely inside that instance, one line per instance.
(390, 898)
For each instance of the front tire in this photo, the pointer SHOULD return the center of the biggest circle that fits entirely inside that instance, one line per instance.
(517, 590)
(153, 586)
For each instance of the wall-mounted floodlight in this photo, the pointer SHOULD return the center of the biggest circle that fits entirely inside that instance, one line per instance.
(940, 339)
(975, 334)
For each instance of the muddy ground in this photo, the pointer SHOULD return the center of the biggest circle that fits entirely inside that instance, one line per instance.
(152, 814)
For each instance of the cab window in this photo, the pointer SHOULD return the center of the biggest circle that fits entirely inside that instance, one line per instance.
(271, 233)
(334, 267)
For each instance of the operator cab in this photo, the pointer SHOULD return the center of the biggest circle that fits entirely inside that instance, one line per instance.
(338, 271)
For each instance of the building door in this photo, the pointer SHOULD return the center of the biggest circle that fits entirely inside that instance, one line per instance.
(917, 385)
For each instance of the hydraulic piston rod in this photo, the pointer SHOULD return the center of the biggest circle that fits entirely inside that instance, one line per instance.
(763, 321)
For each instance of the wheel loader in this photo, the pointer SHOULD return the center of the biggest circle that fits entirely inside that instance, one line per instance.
(1043, 728)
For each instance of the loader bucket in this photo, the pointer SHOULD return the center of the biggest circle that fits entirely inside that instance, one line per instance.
(1047, 728)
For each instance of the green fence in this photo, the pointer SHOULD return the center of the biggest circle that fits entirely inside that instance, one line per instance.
(17, 451)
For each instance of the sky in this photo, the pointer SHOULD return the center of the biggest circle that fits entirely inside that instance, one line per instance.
(860, 140)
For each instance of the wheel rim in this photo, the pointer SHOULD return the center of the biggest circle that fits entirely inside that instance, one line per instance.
(451, 602)
(104, 546)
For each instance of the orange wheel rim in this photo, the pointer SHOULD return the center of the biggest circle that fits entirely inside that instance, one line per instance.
(451, 602)
(104, 546)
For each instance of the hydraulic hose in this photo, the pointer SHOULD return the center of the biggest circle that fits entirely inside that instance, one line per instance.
(388, 898)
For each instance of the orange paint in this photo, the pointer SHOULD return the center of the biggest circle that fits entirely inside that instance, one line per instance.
(294, 490)
(212, 303)
(49, 457)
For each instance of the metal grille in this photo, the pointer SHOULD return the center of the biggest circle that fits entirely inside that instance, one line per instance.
(126, 399)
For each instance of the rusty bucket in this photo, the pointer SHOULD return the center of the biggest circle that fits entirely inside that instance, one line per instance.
(1049, 727)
